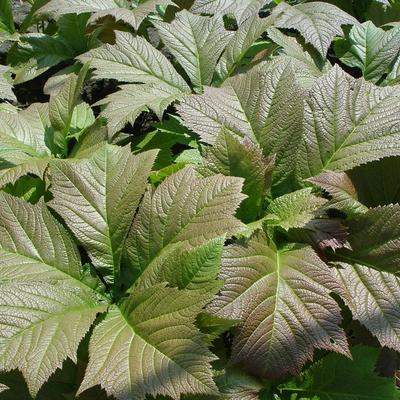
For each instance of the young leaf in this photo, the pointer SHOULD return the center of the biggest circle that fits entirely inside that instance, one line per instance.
(282, 298)
(347, 122)
(295, 210)
(98, 197)
(153, 328)
(183, 209)
(241, 9)
(270, 114)
(44, 308)
(338, 378)
(6, 17)
(318, 22)
(231, 157)
(196, 43)
(371, 49)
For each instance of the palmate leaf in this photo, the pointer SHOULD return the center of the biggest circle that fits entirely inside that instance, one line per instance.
(318, 22)
(265, 105)
(196, 43)
(371, 49)
(98, 197)
(231, 156)
(338, 378)
(241, 9)
(153, 329)
(347, 122)
(282, 298)
(45, 309)
(185, 210)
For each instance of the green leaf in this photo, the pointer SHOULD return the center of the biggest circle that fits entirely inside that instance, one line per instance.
(133, 59)
(241, 9)
(282, 298)
(371, 49)
(231, 157)
(154, 329)
(196, 43)
(41, 295)
(270, 114)
(98, 197)
(35, 53)
(295, 210)
(338, 378)
(63, 110)
(184, 210)
(6, 87)
(6, 17)
(239, 45)
(318, 22)
(184, 266)
(347, 122)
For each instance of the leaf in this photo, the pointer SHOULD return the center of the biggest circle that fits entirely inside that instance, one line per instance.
(318, 22)
(232, 157)
(125, 105)
(6, 17)
(282, 298)
(347, 122)
(184, 266)
(240, 43)
(54, 84)
(63, 104)
(133, 59)
(375, 238)
(264, 105)
(3, 388)
(342, 191)
(153, 328)
(59, 315)
(295, 210)
(41, 295)
(371, 49)
(184, 210)
(372, 297)
(35, 53)
(241, 9)
(119, 9)
(6, 87)
(196, 43)
(337, 378)
(98, 197)
(307, 68)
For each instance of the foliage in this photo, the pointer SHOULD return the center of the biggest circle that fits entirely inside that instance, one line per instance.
(199, 199)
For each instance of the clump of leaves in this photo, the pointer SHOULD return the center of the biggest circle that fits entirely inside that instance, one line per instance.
(246, 245)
